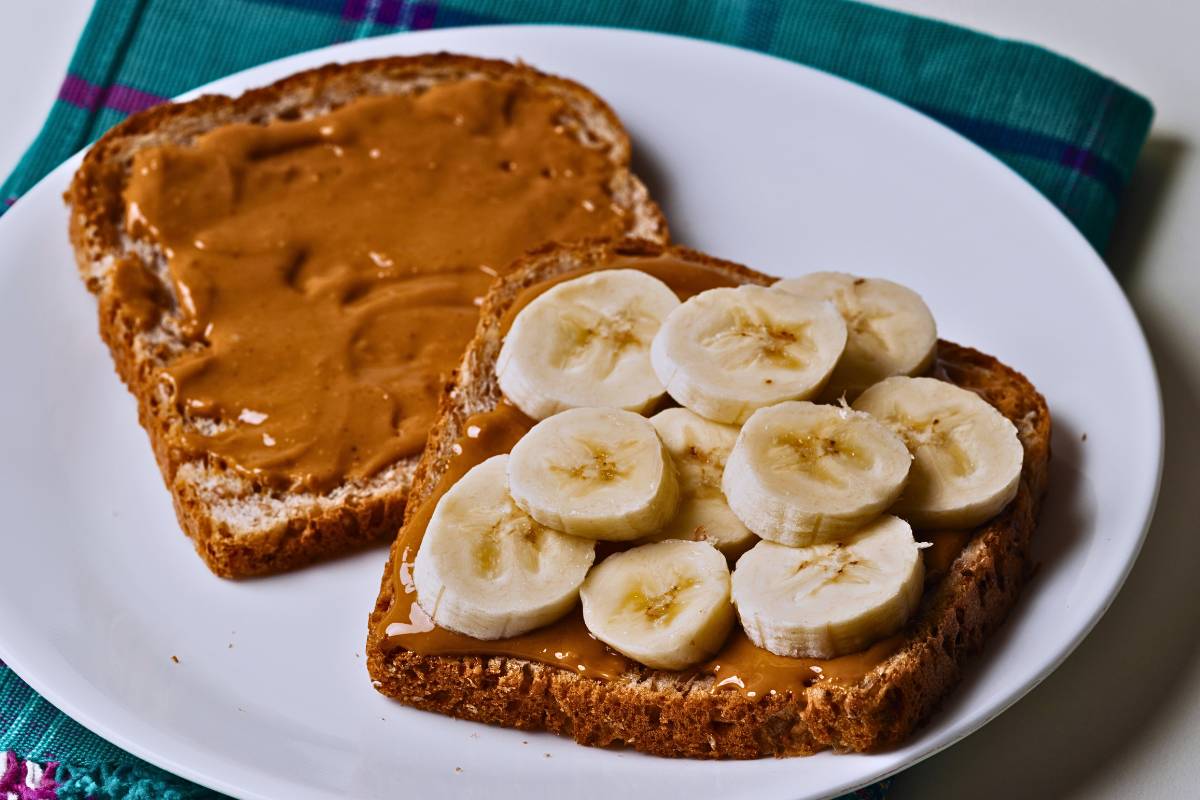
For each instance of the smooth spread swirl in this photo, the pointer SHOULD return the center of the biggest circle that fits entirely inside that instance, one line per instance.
(328, 271)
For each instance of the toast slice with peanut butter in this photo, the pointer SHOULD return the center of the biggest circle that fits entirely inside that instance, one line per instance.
(285, 277)
(744, 701)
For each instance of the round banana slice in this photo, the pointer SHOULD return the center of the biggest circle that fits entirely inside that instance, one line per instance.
(967, 457)
(600, 473)
(726, 352)
(828, 600)
(890, 329)
(486, 569)
(665, 605)
(586, 342)
(803, 473)
(699, 449)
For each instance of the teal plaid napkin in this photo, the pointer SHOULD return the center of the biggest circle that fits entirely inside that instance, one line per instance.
(1071, 133)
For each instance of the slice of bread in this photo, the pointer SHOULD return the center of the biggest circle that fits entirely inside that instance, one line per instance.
(666, 714)
(239, 527)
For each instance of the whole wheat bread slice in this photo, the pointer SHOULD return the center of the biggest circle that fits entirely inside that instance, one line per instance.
(239, 527)
(663, 714)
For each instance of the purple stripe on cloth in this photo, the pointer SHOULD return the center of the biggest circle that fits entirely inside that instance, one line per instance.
(1077, 158)
(1001, 138)
(126, 99)
(354, 10)
(79, 92)
(423, 16)
(389, 12)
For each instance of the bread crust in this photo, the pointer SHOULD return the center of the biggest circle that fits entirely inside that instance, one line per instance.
(658, 712)
(239, 527)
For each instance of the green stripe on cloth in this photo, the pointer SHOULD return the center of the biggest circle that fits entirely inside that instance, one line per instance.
(1073, 134)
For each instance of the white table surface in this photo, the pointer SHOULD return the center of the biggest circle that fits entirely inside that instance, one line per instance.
(1121, 717)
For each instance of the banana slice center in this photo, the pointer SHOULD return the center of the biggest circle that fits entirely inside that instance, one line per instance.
(863, 321)
(598, 341)
(752, 338)
(827, 456)
(840, 566)
(706, 468)
(659, 607)
(523, 535)
(487, 553)
(865, 325)
(593, 463)
(939, 438)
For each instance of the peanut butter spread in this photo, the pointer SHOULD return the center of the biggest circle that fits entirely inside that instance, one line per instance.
(567, 643)
(328, 271)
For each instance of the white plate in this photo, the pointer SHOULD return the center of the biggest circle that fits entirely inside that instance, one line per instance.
(754, 159)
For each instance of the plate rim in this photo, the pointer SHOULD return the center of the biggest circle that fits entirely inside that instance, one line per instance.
(267, 72)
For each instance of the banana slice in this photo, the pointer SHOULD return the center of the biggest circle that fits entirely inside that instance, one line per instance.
(699, 449)
(586, 342)
(803, 473)
(726, 352)
(890, 329)
(828, 600)
(600, 473)
(665, 605)
(967, 457)
(486, 569)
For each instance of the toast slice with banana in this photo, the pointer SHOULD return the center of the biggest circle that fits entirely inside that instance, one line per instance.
(724, 521)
